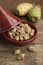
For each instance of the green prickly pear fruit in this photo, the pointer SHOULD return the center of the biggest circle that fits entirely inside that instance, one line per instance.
(35, 13)
(23, 8)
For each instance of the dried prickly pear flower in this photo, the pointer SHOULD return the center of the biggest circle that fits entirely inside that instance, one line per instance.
(7, 20)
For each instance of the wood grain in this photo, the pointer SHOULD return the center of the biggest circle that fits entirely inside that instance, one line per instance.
(6, 48)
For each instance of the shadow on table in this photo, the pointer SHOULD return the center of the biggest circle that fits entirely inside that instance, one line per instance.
(7, 44)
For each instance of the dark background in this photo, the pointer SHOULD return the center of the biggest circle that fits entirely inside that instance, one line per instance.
(11, 4)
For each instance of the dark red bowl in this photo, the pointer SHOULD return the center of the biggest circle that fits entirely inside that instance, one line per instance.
(21, 43)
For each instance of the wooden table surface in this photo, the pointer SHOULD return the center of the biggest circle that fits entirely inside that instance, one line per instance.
(6, 48)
